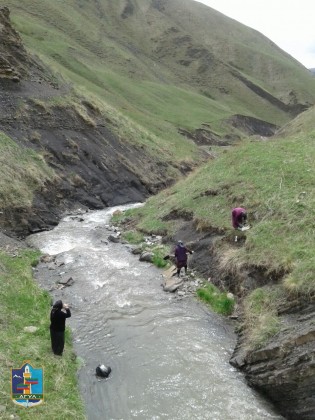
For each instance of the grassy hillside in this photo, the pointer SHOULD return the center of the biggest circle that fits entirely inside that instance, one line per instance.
(303, 123)
(274, 181)
(275, 185)
(165, 64)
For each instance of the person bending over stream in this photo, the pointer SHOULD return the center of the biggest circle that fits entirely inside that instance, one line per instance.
(181, 257)
(58, 316)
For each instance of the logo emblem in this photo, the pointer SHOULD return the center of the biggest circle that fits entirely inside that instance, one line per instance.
(27, 386)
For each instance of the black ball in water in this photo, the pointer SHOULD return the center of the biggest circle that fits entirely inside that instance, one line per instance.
(103, 371)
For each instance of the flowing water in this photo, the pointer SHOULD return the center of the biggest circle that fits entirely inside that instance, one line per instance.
(169, 356)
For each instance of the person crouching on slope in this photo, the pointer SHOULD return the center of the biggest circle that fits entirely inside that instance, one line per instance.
(239, 217)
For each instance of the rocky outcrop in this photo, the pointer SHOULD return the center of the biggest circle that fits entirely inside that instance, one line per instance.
(252, 126)
(284, 369)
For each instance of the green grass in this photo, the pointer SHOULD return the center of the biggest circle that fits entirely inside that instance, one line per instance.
(159, 253)
(219, 301)
(303, 123)
(133, 237)
(22, 172)
(24, 304)
(274, 181)
(261, 316)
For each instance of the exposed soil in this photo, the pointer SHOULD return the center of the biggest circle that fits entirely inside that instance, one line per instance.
(253, 126)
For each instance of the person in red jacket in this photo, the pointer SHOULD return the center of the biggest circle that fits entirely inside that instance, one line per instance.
(239, 217)
(181, 257)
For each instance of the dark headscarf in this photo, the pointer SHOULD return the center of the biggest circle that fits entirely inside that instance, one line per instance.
(57, 306)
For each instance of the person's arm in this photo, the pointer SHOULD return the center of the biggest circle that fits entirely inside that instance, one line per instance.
(234, 219)
(68, 312)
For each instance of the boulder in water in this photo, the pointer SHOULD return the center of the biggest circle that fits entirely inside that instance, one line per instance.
(103, 371)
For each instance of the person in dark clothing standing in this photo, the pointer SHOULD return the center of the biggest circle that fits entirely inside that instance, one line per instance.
(58, 316)
(181, 257)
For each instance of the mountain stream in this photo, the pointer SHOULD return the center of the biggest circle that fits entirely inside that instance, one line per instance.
(169, 356)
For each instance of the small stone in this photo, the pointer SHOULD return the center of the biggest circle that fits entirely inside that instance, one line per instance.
(146, 256)
(30, 329)
(113, 238)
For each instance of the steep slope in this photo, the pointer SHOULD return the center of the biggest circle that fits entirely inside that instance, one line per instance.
(169, 64)
(304, 122)
(61, 150)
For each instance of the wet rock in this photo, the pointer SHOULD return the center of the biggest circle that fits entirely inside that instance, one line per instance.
(66, 283)
(147, 257)
(103, 371)
(137, 250)
(284, 368)
(117, 213)
(114, 238)
(47, 258)
(171, 288)
(79, 219)
(172, 282)
(51, 266)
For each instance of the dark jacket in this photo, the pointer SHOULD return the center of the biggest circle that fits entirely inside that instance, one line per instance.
(58, 319)
(181, 253)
